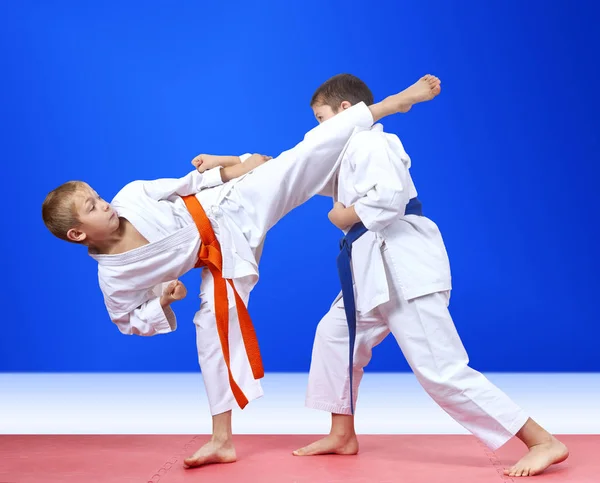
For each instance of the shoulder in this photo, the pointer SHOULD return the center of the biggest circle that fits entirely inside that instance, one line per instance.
(366, 136)
(374, 141)
(366, 140)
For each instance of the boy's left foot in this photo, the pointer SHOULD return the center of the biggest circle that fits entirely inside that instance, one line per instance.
(212, 452)
(331, 444)
(539, 457)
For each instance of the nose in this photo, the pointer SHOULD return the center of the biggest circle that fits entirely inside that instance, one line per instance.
(106, 206)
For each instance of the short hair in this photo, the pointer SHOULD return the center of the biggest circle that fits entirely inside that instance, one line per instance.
(340, 88)
(58, 210)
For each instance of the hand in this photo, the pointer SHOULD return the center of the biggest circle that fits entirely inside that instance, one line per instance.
(173, 292)
(203, 162)
(339, 216)
(255, 161)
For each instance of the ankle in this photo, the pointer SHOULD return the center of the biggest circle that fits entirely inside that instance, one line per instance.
(221, 439)
(546, 439)
(345, 435)
(532, 434)
(342, 426)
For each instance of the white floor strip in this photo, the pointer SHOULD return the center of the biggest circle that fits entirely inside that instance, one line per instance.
(176, 403)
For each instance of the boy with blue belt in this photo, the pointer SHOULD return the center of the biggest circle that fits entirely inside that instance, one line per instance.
(397, 262)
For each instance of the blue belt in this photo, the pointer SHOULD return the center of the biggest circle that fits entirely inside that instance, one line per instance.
(413, 207)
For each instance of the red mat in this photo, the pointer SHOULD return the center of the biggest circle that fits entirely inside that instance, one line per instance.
(268, 459)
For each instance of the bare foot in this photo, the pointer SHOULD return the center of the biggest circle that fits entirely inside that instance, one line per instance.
(425, 89)
(211, 453)
(331, 444)
(539, 457)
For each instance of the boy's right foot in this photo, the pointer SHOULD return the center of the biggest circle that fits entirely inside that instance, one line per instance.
(425, 89)
(331, 444)
(211, 453)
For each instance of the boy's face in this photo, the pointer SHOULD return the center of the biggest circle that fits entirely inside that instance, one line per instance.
(97, 219)
(323, 112)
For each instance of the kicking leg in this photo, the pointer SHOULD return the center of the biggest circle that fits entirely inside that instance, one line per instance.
(272, 190)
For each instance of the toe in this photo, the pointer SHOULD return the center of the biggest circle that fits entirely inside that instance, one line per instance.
(305, 451)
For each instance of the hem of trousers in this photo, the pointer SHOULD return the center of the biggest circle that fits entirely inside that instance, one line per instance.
(512, 429)
(326, 406)
(255, 393)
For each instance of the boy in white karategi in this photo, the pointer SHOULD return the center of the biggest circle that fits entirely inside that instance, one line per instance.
(397, 260)
(153, 232)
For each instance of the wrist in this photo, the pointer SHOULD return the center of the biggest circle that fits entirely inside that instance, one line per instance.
(165, 301)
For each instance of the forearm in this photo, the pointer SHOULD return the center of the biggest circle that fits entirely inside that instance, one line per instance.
(231, 172)
(227, 161)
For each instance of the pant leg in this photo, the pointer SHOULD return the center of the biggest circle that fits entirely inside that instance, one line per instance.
(428, 338)
(328, 379)
(210, 354)
(274, 189)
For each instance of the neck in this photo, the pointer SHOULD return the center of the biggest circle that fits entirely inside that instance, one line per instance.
(110, 244)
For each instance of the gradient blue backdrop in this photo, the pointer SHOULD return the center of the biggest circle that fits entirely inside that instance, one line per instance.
(506, 162)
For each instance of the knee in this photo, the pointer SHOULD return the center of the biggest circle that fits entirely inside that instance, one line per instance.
(443, 382)
(329, 331)
(205, 318)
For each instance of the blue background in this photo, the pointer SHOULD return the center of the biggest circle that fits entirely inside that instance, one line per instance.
(505, 160)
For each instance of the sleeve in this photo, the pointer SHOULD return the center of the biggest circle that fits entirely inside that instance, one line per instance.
(382, 185)
(192, 183)
(329, 188)
(147, 319)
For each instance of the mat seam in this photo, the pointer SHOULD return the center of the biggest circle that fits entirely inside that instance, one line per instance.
(495, 462)
(171, 461)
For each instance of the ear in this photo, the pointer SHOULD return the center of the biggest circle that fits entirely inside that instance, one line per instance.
(345, 105)
(76, 235)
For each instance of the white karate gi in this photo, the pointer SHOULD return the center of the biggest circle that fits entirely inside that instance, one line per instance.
(402, 285)
(241, 212)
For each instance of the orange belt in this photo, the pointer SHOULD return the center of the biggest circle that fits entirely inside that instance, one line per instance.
(210, 256)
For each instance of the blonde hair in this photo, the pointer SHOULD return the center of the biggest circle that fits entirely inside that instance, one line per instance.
(58, 210)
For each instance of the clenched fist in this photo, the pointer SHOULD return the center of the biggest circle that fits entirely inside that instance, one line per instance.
(174, 291)
(203, 162)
